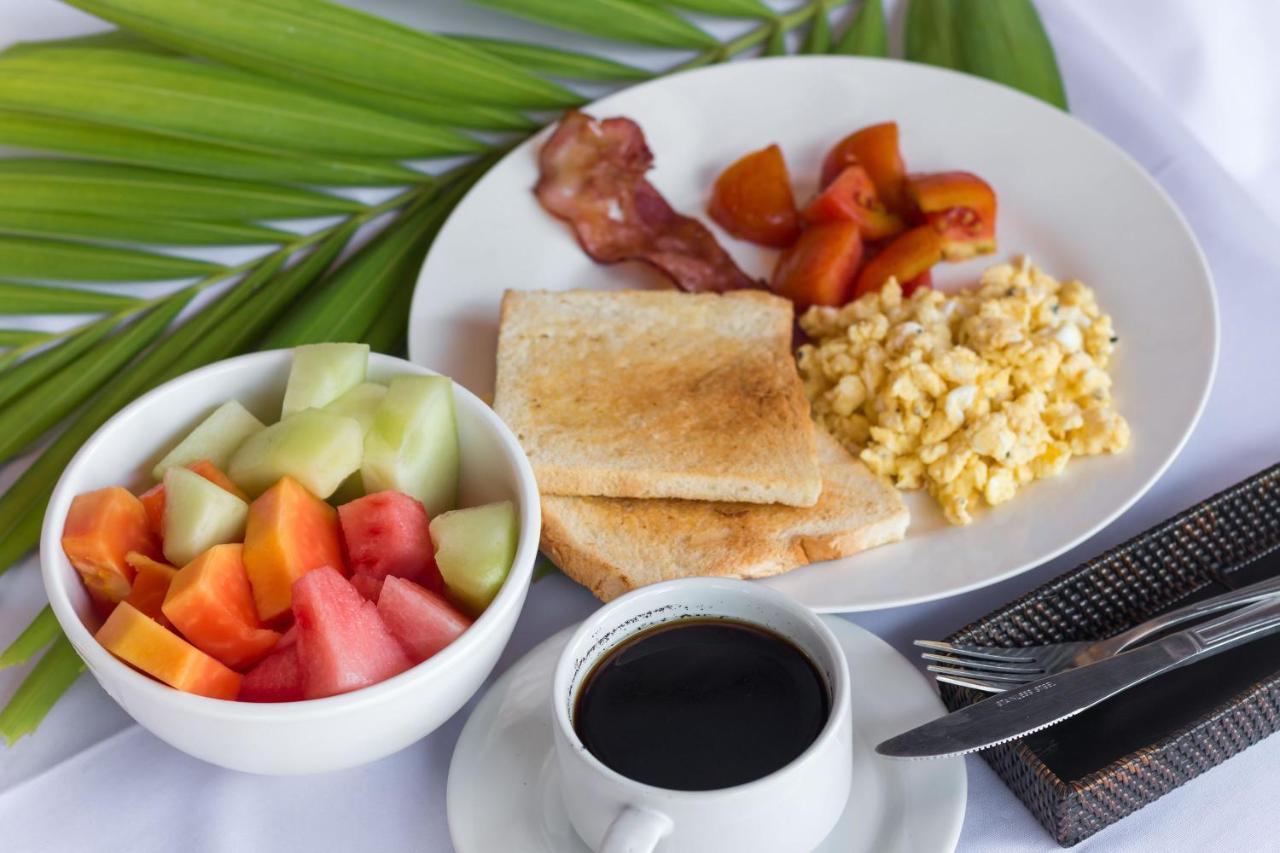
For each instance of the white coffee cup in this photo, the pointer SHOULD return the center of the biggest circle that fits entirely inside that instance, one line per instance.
(791, 809)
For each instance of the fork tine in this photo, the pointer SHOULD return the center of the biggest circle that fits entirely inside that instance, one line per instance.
(993, 677)
(973, 683)
(981, 652)
(983, 665)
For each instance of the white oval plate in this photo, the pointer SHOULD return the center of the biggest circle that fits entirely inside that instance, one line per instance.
(1073, 201)
(503, 795)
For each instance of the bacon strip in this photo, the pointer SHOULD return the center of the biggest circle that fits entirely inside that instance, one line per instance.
(592, 176)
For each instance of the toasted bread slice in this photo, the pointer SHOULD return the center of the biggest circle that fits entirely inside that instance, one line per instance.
(612, 545)
(657, 394)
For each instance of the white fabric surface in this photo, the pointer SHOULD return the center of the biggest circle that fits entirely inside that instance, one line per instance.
(1191, 89)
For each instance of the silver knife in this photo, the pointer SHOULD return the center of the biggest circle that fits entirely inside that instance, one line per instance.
(1054, 698)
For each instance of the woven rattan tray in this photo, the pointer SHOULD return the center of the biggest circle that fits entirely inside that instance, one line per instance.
(1087, 772)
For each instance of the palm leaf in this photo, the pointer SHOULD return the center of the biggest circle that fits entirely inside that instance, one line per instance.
(60, 260)
(20, 337)
(157, 232)
(867, 33)
(40, 633)
(620, 20)
(554, 61)
(18, 298)
(41, 689)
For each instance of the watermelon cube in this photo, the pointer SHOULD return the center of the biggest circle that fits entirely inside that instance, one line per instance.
(389, 533)
(422, 622)
(342, 643)
(278, 678)
(368, 586)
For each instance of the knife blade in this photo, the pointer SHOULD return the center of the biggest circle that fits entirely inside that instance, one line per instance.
(1040, 704)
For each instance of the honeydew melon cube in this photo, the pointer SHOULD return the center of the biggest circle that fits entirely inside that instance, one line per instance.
(413, 444)
(316, 448)
(361, 402)
(474, 551)
(322, 373)
(198, 515)
(215, 439)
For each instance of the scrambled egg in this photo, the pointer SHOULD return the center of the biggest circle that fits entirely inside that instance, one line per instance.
(970, 395)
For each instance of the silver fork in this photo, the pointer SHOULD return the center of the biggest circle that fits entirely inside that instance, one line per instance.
(995, 669)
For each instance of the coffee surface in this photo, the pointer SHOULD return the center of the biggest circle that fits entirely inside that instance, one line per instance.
(701, 704)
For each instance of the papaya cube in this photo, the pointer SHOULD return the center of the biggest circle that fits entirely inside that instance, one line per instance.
(151, 581)
(153, 502)
(290, 532)
(150, 647)
(211, 603)
(101, 528)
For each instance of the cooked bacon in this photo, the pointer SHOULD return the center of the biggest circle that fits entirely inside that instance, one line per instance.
(592, 176)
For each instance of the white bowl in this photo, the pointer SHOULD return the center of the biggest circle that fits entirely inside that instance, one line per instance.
(319, 734)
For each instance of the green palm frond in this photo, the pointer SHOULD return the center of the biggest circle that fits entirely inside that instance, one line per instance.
(239, 123)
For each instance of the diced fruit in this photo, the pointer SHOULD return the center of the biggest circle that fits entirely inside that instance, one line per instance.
(925, 279)
(360, 403)
(821, 267)
(316, 448)
(322, 373)
(752, 200)
(198, 515)
(961, 207)
(101, 528)
(342, 643)
(875, 148)
(907, 256)
(211, 603)
(151, 581)
(421, 621)
(290, 532)
(369, 587)
(153, 499)
(474, 550)
(278, 678)
(852, 196)
(145, 644)
(413, 445)
(215, 439)
(388, 533)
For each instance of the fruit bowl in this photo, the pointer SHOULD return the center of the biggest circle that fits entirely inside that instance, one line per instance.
(319, 734)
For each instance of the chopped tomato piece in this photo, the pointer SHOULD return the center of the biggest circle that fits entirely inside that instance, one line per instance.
(752, 200)
(101, 528)
(925, 279)
(821, 267)
(961, 207)
(852, 196)
(875, 148)
(907, 256)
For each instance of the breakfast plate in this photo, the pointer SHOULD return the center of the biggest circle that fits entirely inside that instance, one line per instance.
(503, 762)
(1069, 199)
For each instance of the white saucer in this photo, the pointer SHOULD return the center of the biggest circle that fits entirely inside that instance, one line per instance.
(504, 795)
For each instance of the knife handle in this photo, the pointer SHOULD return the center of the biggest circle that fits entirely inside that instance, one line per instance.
(1241, 626)
(1227, 601)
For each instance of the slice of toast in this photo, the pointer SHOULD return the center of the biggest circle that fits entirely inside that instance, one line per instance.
(657, 394)
(612, 545)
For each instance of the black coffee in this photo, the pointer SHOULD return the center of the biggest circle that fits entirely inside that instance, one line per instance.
(701, 704)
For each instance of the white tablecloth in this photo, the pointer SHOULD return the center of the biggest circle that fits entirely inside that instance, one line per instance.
(1191, 89)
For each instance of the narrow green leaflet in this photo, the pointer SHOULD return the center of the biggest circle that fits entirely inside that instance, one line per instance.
(156, 232)
(20, 337)
(722, 8)
(451, 113)
(22, 376)
(628, 21)
(40, 691)
(143, 148)
(818, 38)
(1006, 42)
(114, 190)
(867, 34)
(930, 34)
(210, 103)
(556, 62)
(16, 298)
(23, 530)
(59, 260)
(776, 45)
(330, 41)
(24, 419)
(40, 633)
(116, 39)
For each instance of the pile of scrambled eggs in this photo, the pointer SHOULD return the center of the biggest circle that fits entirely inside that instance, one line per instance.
(970, 395)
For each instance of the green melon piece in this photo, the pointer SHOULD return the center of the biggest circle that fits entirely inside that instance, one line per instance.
(413, 444)
(361, 402)
(316, 448)
(198, 515)
(215, 439)
(474, 550)
(322, 373)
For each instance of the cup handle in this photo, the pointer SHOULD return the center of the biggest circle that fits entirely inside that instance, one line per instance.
(635, 830)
